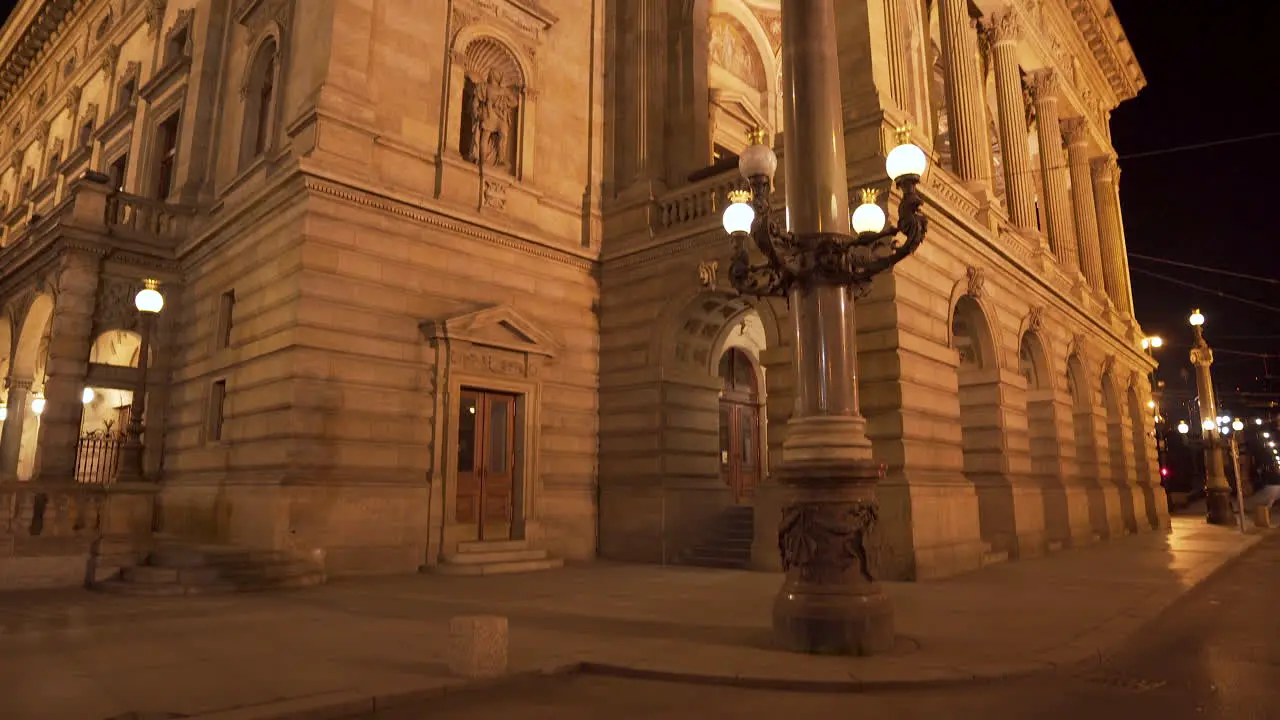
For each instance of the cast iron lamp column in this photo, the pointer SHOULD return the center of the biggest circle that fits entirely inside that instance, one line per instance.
(1217, 491)
(830, 602)
(149, 302)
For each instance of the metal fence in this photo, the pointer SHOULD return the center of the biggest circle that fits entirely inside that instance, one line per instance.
(98, 457)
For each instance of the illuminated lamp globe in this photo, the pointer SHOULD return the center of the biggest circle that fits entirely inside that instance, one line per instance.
(1207, 425)
(37, 405)
(868, 217)
(1157, 341)
(87, 395)
(738, 217)
(1146, 343)
(1151, 403)
(4, 413)
(1184, 428)
(1237, 426)
(907, 159)
(758, 160)
(1196, 319)
(1257, 421)
(149, 299)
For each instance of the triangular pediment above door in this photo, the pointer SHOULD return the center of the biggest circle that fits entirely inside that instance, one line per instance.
(500, 326)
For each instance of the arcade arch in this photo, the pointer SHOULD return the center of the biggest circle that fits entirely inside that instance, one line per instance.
(1116, 443)
(1138, 413)
(981, 425)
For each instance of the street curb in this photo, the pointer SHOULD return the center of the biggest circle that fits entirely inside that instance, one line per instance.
(347, 704)
(1018, 670)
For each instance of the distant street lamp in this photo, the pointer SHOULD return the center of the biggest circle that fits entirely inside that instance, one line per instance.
(1184, 428)
(1217, 490)
(825, 257)
(149, 302)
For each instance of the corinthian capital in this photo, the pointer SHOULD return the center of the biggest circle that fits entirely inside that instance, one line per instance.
(1105, 169)
(1043, 84)
(1004, 27)
(1074, 130)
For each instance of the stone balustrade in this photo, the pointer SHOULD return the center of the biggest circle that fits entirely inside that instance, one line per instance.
(700, 201)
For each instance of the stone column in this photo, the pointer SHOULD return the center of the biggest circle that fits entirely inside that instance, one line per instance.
(1075, 131)
(70, 338)
(1019, 185)
(11, 439)
(970, 146)
(1053, 169)
(1111, 234)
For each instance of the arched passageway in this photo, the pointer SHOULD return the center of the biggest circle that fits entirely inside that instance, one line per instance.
(1045, 438)
(1118, 447)
(25, 398)
(1088, 454)
(982, 426)
(1144, 475)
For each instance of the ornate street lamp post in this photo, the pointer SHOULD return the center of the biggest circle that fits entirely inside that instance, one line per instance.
(1217, 491)
(149, 302)
(830, 601)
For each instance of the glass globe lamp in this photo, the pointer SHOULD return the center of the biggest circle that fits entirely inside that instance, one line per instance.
(87, 396)
(758, 160)
(1184, 428)
(906, 160)
(1237, 426)
(868, 217)
(149, 299)
(1196, 319)
(37, 405)
(739, 216)
(1208, 425)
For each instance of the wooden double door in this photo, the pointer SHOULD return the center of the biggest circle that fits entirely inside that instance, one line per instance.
(739, 425)
(486, 462)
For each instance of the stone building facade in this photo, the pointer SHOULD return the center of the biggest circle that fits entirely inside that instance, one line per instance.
(442, 275)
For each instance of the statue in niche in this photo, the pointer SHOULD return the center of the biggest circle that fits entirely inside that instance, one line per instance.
(489, 115)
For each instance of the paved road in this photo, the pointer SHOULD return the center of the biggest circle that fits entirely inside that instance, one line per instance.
(1215, 654)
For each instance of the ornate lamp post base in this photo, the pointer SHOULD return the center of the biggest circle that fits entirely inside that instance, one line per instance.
(830, 602)
(1218, 506)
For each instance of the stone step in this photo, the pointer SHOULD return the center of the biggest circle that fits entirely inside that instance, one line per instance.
(178, 556)
(475, 557)
(497, 568)
(149, 575)
(994, 557)
(487, 546)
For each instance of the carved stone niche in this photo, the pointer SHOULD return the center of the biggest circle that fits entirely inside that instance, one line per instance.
(496, 342)
(494, 72)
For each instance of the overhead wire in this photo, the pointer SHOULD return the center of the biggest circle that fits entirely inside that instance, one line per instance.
(1211, 291)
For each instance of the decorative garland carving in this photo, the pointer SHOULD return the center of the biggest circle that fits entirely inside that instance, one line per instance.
(824, 540)
(110, 59)
(1035, 319)
(115, 308)
(977, 280)
(155, 15)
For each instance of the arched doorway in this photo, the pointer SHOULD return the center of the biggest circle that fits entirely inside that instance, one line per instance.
(739, 424)
(1045, 445)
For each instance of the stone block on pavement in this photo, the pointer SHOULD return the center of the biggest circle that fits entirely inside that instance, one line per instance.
(478, 646)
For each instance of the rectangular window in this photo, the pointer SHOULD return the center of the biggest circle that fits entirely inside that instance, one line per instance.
(217, 401)
(117, 172)
(176, 48)
(86, 134)
(54, 161)
(226, 312)
(167, 146)
(128, 90)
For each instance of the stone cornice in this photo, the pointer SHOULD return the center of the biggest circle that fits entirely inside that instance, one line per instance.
(25, 34)
(1106, 39)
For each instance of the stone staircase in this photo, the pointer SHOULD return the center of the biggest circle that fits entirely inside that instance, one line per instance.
(728, 544)
(495, 558)
(182, 569)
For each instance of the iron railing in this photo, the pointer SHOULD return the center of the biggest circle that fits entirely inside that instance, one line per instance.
(98, 457)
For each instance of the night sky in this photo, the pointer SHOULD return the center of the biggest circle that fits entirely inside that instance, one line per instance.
(1207, 207)
(1204, 207)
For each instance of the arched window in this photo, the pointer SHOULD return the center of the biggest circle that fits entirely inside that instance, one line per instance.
(259, 103)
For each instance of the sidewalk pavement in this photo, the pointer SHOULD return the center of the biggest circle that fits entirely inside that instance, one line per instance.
(74, 655)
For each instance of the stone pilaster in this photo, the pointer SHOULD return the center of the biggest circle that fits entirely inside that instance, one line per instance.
(1075, 133)
(1020, 192)
(1056, 203)
(970, 147)
(640, 90)
(70, 337)
(1111, 234)
(897, 41)
(16, 404)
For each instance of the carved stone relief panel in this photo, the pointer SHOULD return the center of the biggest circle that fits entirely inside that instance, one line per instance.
(115, 309)
(487, 361)
(732, 49)
(492, 106)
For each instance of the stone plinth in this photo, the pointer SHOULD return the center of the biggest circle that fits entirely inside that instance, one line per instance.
(478, 646)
